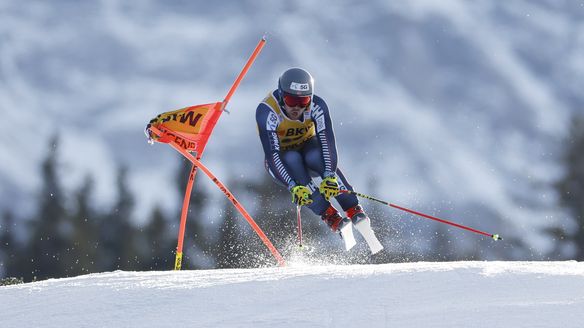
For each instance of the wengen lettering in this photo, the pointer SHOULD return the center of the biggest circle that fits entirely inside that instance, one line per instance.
(186, 144)
(190, 116)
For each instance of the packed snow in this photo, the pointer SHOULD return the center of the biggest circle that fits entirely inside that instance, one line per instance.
(448, 294)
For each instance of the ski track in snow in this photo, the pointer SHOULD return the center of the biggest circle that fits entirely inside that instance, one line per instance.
(450, 294)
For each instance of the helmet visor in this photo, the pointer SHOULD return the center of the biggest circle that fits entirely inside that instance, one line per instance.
(294, 101)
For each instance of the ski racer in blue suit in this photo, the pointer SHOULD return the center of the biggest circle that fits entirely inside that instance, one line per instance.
(298, 140)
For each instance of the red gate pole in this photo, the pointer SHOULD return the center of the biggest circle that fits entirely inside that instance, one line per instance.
(183, 218)
(250, 61)
(232, 198)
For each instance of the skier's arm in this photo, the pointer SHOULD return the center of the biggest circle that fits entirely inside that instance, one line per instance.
(325, 135)
(267, 122)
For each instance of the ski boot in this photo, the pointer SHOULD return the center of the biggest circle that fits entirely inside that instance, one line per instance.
(343, 226)
(356, 214)
(333, 218)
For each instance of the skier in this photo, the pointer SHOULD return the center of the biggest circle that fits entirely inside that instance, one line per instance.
(297, 136)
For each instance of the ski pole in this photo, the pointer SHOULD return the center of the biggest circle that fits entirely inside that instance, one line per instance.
(494, 236)
(299, 219)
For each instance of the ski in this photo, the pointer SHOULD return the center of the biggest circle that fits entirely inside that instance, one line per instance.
(364, 228)
(346, 232)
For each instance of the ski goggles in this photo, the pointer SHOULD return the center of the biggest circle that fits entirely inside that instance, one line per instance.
(300, 101)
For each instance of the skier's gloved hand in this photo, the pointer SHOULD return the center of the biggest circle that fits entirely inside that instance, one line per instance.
(329, 187)
(301, 195)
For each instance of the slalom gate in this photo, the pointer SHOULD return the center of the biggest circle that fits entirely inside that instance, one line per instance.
(187, 130)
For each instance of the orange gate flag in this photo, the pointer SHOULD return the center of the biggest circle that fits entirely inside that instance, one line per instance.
(189, 127)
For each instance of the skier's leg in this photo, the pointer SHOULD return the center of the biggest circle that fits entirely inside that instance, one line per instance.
(349, 202)
(313, 159)
(296, 168)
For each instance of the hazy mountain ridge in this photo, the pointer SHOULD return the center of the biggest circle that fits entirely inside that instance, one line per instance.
(455, 108)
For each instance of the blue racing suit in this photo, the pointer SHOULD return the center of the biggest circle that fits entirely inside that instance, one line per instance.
(298, 150)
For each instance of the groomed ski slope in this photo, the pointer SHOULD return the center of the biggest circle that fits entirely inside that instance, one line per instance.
(455, 294)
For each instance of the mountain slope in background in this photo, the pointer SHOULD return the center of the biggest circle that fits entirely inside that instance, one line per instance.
(459, 294)
(455, 108)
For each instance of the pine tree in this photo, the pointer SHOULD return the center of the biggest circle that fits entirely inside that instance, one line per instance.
(8, 247)
(85, 233)
(117, 233)
(230, 251)
(50, 244)
(571, 187)
(238, 245)
(276, 214)
(159, 246)
(442, 249)
(381, 222)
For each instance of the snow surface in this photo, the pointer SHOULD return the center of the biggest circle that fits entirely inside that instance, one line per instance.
(450, 294)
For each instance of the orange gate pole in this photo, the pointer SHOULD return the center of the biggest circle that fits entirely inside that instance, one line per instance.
(231, 197)
(183, 219)
(250, 61)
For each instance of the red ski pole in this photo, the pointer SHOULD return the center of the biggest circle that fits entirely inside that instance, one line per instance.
(494, 236)
(299, 219)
